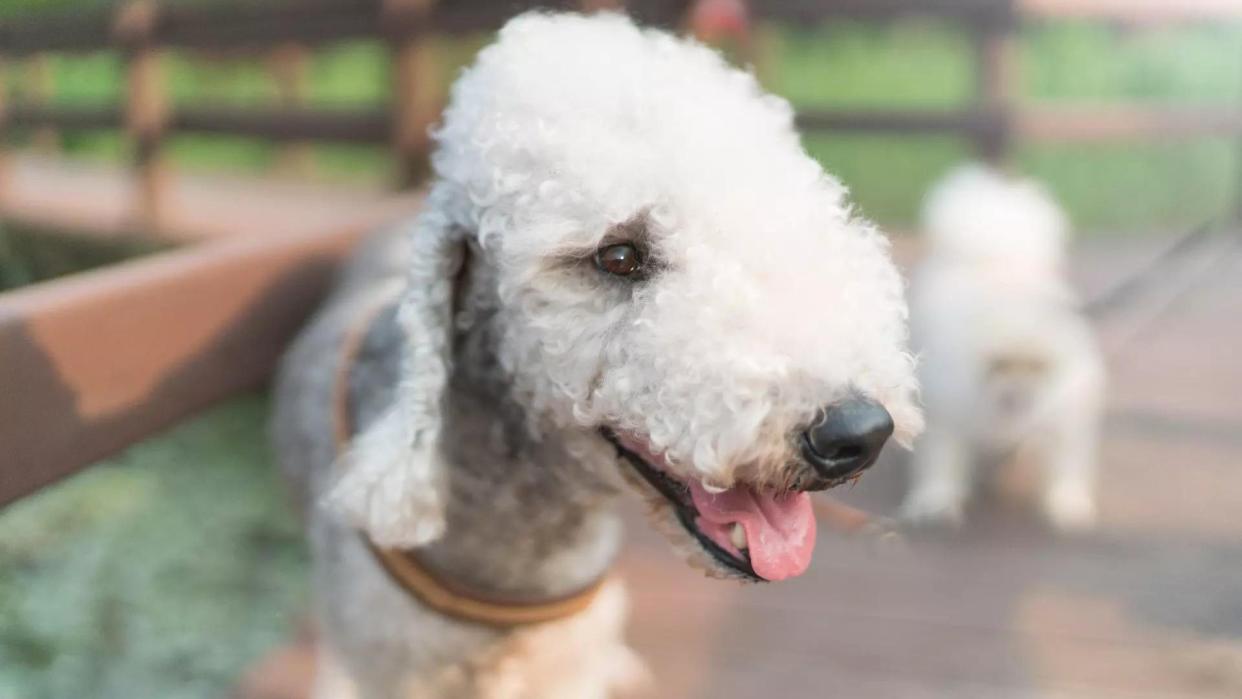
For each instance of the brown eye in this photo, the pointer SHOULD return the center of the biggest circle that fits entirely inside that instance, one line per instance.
(621, 259)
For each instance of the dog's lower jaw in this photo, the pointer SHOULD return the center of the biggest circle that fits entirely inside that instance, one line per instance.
(664, 519)
(670, 516)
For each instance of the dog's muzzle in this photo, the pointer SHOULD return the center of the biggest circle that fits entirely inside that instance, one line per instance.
(845, 440)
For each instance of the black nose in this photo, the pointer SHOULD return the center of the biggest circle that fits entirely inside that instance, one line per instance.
(847, 438)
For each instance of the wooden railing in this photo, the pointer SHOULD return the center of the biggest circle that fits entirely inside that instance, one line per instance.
(72, 390)
(141, 30)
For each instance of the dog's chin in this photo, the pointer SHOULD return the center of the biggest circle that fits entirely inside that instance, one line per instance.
(714, 530)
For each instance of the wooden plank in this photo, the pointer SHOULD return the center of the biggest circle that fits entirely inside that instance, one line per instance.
(661, 13)
(374, 126)
(233, 24)
(417, 95)
(79, 30)
(1005, 12)
(258, 34)
(998, 78)
(93, 363)
(1064, 124)
(4, 127)
(971, 122)
(985, 12)
(1038, 123)
(146, 106)
(289, 65)
(1075, 124)
(40, 82)
(361, 126)
(32, 115)
(1136, 11)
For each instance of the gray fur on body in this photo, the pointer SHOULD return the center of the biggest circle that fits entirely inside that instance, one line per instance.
(524, 521)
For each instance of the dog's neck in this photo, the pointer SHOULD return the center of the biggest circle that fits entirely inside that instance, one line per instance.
(525, 520)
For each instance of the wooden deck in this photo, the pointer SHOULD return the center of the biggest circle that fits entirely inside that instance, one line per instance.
(1149, 605)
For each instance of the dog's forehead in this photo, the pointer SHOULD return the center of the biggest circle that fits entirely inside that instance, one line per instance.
(708, 189)
(612, 74)
(619, 114)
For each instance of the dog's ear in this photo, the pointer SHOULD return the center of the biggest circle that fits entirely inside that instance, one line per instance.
(394, 475)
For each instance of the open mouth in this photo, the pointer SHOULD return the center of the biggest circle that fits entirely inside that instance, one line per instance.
(759, 534)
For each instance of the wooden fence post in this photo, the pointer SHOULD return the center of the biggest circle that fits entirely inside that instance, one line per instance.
(1236, 213)
(417, 91)
(41, 84)
(146, 108)
(996, 58)
(5, 130)
(288, 64)
(590, 6)
(764, 46)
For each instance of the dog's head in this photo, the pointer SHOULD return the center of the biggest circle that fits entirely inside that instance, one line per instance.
(983, 217)
(675, 279)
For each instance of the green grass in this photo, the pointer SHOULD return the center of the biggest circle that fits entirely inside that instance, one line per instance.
(913, 64)
(162, 573)
(27, 257)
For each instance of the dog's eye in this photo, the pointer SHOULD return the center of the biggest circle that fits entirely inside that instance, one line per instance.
(619, 259)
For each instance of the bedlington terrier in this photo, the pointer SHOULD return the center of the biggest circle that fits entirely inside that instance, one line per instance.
(627, 276)
(1009, 367)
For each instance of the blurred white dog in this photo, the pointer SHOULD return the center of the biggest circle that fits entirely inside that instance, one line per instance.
(1009, 364)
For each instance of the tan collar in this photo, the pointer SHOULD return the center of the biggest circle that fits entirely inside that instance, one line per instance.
(404, 567)
(406, 570)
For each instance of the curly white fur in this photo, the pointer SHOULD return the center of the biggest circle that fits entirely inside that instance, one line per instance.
(775, 300)
(1009, 364)
(393, 474)
(978, 215)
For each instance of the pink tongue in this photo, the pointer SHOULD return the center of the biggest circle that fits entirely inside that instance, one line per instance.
(780, 529)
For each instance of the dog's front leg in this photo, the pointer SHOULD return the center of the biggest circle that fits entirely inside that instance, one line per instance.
(1068, 445)
(940, 478)
(1069, 463)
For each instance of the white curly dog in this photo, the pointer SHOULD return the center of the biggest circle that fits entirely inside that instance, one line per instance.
(1009, 366)
(628, 276)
